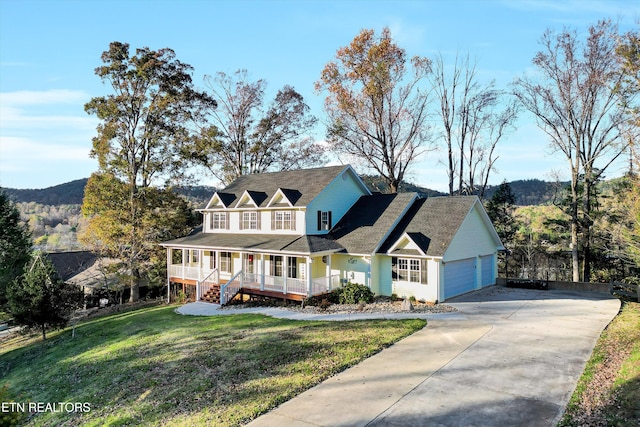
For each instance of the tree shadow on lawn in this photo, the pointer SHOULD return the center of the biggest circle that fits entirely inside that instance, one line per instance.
(154, 366)
(625, 409)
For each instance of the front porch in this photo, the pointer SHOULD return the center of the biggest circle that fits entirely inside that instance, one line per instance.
(207, 273)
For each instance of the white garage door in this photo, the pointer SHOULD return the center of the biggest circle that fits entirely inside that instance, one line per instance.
(459, 277)
(487, 270)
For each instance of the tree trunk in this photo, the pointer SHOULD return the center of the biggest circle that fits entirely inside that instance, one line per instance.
(586, 227)
(135, 286)
(44, 332)
(451, 168)
(575, 222)
(393, 185)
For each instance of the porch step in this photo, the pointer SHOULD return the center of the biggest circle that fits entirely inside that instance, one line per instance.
(212, 295)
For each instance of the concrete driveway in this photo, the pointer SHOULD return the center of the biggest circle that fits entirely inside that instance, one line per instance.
(508, 357)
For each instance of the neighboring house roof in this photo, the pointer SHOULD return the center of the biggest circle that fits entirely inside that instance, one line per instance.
(69, 264)
(370, 220)
(307, 244)
(299, 186)
(432, 223)
(82, 268)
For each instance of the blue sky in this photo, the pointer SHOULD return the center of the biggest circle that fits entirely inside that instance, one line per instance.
(49, 50)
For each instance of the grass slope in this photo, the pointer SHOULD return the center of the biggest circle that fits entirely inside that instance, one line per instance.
(152, 366)
(608, 393)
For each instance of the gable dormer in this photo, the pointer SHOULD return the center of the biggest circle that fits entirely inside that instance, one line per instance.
(409, 244)
(220, 201)
(284, 198)
(251, 199)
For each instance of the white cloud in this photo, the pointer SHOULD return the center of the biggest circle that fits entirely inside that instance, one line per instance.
(18, 150)
(54, 96)
(45, 137)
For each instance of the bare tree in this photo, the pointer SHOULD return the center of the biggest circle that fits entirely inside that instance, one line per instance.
(474, 118)
(377, 111)
(575, 98)
(248, 137)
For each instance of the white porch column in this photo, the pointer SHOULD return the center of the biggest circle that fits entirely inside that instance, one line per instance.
(241, 269)
(262, 271)
(169, 259)
(200, 256)
(309, 275)
(216, 263)
(329, 272)
(285, 273)
(184, 260)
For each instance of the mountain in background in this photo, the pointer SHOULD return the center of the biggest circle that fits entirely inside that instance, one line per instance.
(527, 192)
(70, 193)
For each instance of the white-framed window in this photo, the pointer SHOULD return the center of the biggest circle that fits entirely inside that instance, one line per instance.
(219, 221)
(250, 220)
(212, 259)
(403, 269)
(276, 265)
(194, 256)
(411, 270)
(324, 220)
(292, 267)
(225, 262)
(283, 220)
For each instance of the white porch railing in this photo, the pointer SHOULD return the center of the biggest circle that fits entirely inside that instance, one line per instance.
(187, 272)
(229, 289)
(274, 283)
(290, 286)
(325, 284)
(296, 286)
(204, 278)
(202, 286)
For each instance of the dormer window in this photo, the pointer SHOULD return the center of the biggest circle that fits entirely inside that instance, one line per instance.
(324, 220)
(283, 220)
(219, 221)
(250, 220)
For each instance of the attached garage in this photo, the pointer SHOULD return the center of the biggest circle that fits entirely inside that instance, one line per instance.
(459, 277)
(456, 235)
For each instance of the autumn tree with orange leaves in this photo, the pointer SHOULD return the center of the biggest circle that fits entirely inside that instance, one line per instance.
(376, 108)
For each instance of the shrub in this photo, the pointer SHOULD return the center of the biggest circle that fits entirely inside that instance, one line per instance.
(324, 304)
(351, 293)
(631, 280)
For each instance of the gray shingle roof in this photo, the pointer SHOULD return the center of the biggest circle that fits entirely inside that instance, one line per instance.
(432, 223)
(300, 186)
(258, 242)
(370, 219)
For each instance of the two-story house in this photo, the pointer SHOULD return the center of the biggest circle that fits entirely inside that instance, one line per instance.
(301, 233)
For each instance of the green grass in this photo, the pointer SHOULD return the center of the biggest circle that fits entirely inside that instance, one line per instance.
(619, 344)
(152, 366)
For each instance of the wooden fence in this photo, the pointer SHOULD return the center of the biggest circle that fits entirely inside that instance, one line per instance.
(631, 292)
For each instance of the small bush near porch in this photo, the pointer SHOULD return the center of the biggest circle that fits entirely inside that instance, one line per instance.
(154, 367)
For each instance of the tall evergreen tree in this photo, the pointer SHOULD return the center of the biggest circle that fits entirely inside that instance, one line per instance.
(15, 245)
(39, 299)
(500, 209)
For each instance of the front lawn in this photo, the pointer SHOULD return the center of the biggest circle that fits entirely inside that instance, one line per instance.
(152, 366)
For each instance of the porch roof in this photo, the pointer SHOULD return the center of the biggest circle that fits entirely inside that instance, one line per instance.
(306, 244)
